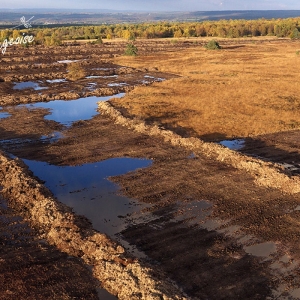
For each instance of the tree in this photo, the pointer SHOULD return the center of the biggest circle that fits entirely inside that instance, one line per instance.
(295, 34)
(131, 50)
(15, 34)
(40, 38)
(178, 33)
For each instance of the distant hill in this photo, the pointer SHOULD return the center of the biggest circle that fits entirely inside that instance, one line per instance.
(244, 14)
(67, 16)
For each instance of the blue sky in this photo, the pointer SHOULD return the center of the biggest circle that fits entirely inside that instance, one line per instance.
(156, 5)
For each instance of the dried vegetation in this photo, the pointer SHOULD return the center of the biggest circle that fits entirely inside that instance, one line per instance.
(242, 90)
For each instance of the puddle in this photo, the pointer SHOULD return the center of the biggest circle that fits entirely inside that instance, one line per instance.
(4, 115)
(56, 80)
(68, 111)
(67, 61)
(103, 69)
(154, 78)
(145, 82)
(131, 248)
(91, 86)
(261, 250)
(290, 167)
(101, 76)
(230, 230)
(245, 239)
(15, 141)
(194, 211)
(117, 84)
(192, 155)
(211, 224)
(53, 137)
(285, 259)
(94, 76)
(27, 85)
(233, 144)
(87, 190)
(109, 76)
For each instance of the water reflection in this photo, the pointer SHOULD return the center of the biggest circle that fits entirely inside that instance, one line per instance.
(233, 144)
(87, 189)
(67, 112)
(262, 249)
(28, 84)
(4, 115)
(56, 80)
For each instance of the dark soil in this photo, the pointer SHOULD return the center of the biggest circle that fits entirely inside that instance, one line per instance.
(281, 147)
(32, 269)
(207, 263)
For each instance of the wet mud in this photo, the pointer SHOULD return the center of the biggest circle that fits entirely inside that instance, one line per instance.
(179, 182)
(33, 269)
(40, 74)
(219, 224)
(282, 148)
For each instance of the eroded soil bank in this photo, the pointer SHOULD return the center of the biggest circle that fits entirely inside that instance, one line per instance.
(121, 275)
(204, 245)
(32, 269)
(37, 78)
(250, 206)
(221, 225)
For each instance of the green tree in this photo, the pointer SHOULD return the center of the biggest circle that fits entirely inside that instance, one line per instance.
(295, 34)
(131, 50)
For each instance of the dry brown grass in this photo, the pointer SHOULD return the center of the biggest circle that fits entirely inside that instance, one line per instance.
(238, 91)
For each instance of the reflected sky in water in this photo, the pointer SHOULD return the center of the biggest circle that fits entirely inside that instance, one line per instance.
(28, 84)
(233, 144)
(4, 115)
(68, 111)
(87, 189)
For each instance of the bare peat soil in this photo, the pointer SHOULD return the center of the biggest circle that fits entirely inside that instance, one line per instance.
(209, 226)
(32, 269)
(281, 147)
(198, 257)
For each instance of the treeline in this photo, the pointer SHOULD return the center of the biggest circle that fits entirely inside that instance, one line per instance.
(224, 28)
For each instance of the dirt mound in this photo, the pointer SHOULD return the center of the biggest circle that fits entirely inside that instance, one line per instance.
(119, 274)
(266, 174)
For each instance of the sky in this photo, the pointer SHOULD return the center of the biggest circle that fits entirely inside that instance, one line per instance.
(156, 5)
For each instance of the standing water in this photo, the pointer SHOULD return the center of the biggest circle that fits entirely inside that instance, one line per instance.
(88, 191)
(68, 111)
(86, 188)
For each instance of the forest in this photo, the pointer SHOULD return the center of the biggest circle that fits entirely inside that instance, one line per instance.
(223, 29)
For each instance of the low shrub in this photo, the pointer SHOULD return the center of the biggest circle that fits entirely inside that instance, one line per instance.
(75, 71)
(212, 45)
(99, 41)
(131, 50)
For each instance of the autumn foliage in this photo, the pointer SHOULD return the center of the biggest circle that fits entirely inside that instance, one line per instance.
(223, 28)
